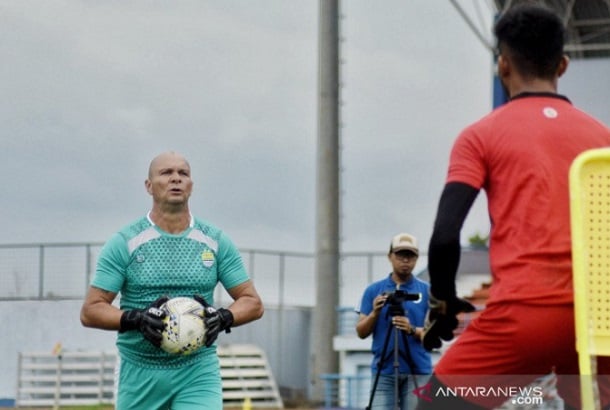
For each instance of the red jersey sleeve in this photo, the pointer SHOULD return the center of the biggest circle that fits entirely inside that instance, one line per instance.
(466, 163)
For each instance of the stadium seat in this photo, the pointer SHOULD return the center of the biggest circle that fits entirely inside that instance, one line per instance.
(589, 185)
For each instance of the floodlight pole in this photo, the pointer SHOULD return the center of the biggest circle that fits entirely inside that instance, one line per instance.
(323, 357)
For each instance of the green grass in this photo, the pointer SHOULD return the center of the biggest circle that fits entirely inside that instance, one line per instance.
(109, 407)
(94, 407)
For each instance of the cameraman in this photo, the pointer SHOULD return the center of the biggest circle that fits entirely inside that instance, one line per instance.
(387, 304)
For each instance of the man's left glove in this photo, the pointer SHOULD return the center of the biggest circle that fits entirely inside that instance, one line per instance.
(147, 321)
(441, 320)
(216, 320)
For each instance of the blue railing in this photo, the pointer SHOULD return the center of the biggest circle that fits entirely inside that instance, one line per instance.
(345, 391)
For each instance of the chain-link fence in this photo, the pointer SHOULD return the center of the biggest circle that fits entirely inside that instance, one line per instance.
(64, 271)
(46, 271)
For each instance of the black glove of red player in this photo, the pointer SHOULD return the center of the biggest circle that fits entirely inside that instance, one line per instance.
(147, 321)
(216, 320)
(441, 320)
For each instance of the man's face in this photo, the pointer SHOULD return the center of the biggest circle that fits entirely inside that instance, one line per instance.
(169, 180)
(403, 262)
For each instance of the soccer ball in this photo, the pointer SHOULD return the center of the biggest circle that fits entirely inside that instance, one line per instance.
(184, 327)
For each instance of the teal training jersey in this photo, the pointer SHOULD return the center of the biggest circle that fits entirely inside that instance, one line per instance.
(143, 263)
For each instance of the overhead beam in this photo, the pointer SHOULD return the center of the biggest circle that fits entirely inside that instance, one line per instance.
(486, 43)
(587, 47)
(591, 22)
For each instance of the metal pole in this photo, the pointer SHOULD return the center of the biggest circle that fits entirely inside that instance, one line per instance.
(324, 358)
(281, 308)
(88, 267)
(369, 260)
(40, 271)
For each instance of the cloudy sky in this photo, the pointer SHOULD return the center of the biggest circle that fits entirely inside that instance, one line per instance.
(91, 91)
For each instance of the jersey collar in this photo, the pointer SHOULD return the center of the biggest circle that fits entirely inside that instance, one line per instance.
(191, 221)
(526, 94)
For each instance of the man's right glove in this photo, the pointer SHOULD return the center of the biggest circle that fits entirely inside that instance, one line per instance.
(216, 320)
(147, 321)
(441, 320)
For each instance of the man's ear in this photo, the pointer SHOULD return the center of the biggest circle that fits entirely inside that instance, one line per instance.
(148, 186)
(563, 65)
(504, 67)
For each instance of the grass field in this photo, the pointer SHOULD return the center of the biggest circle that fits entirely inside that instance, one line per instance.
(111, 408)
(97, 407)
(103, 407)
(62, 408)
(291, 406)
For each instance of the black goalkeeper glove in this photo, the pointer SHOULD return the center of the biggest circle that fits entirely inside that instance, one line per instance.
(147, 321)
(216, 320)
(441, 320)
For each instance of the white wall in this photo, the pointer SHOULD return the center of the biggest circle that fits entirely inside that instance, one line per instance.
(38, 326)
(587, 84)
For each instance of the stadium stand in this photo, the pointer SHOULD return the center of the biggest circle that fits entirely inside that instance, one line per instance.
(245, 375)
(87, 378)
(71, 378)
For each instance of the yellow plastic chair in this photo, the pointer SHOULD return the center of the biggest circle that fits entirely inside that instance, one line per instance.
(590, 224)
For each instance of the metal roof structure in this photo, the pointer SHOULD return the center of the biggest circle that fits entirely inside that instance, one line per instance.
(587, 22)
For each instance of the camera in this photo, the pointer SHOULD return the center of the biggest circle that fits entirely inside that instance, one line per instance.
(395, 300)
(399, 296)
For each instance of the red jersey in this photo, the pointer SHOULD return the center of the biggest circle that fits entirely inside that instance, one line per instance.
(520, 154)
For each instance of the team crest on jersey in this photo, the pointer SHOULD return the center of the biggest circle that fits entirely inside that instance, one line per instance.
(207, 256)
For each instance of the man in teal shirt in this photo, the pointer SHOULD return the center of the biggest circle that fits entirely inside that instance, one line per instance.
(165, 254)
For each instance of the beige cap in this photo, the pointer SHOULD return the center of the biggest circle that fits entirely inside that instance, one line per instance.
(404, 241)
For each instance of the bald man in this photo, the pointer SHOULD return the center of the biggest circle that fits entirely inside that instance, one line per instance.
(165, 254)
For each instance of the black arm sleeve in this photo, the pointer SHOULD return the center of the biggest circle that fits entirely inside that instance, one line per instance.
(444, 250)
